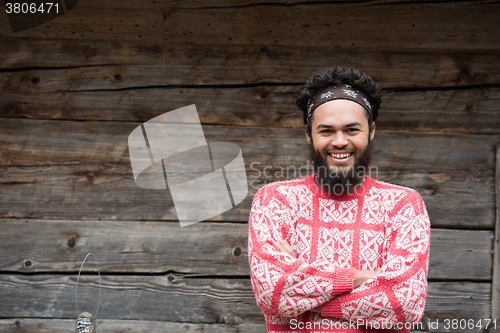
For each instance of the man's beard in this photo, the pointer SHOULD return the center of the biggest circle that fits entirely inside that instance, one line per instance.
(341, 180)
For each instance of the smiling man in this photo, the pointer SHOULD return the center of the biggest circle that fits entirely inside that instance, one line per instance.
(339, 251)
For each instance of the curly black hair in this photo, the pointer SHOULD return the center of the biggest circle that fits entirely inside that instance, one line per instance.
(329, 76)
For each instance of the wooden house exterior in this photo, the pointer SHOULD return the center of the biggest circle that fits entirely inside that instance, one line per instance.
(73, 89)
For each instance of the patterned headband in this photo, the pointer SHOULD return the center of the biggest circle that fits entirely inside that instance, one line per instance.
(338, 91)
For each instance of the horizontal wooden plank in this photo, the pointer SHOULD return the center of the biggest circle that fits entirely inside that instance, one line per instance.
(457, 25)
(109, 65)
(180, 299)
(239, 3)
(28, 325)
(79, 170)
(124, 247)
(450, 249)
(205, 248)
(159, 298)
(452, 111)
(27, 143)
(472, 110)
(453, 199)
(461, 301)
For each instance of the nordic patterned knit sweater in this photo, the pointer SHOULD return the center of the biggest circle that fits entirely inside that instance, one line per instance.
(380, 227)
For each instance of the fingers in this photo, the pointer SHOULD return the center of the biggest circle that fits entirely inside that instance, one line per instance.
(285, 248)
(288, 248)
(316, 309)
(361, 276)
(280, 247)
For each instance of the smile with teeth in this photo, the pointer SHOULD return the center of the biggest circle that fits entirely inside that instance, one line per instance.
(340, 156)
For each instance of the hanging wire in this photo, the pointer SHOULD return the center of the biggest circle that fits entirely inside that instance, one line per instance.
(76, 290)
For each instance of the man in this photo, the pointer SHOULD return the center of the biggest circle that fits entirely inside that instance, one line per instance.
(339, 251)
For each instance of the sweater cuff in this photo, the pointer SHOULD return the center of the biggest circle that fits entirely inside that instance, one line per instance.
(332, 309)
(344, 278)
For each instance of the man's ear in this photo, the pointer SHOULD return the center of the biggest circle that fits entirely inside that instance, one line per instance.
(372, 132)
(307, 135)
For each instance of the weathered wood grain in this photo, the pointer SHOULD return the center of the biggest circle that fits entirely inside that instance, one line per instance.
(452, 199)
(64, 169)
(27, 143)
(83, 171)
(91, 192)
(453, 111)
(124, 247)
(109, 192)
(160, 298)
(468, 301)
(495, 288)
(452, 248)
(473, 110)
(29, 325)
(181, 299)
(111, 65)
(30, 246)
(458, 25)
(237, 3)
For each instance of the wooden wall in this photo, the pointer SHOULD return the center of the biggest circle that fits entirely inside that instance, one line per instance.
(74, 88)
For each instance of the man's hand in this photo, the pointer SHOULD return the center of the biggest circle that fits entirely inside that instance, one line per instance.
(361, 276)
(316, 309)
(285, 248)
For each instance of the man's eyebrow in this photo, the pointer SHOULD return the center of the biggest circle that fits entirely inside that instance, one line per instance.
(323, 126)
(353, 124)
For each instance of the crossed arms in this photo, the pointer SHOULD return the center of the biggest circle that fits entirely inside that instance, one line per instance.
(360, 276)
(287, 286)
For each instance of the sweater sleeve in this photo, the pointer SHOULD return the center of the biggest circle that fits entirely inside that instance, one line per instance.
(285, 286)
(396, 295)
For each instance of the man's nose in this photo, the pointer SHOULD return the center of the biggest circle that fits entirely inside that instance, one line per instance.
(339, 140)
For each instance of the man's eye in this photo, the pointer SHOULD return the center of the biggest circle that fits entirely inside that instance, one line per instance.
(352, 130)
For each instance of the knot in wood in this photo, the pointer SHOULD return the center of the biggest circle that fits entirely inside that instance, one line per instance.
(72, 242)
(237, 251)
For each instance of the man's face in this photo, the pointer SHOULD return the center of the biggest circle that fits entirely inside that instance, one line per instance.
(340, 139)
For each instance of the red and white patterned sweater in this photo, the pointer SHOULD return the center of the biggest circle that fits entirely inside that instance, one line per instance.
(381, 227)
